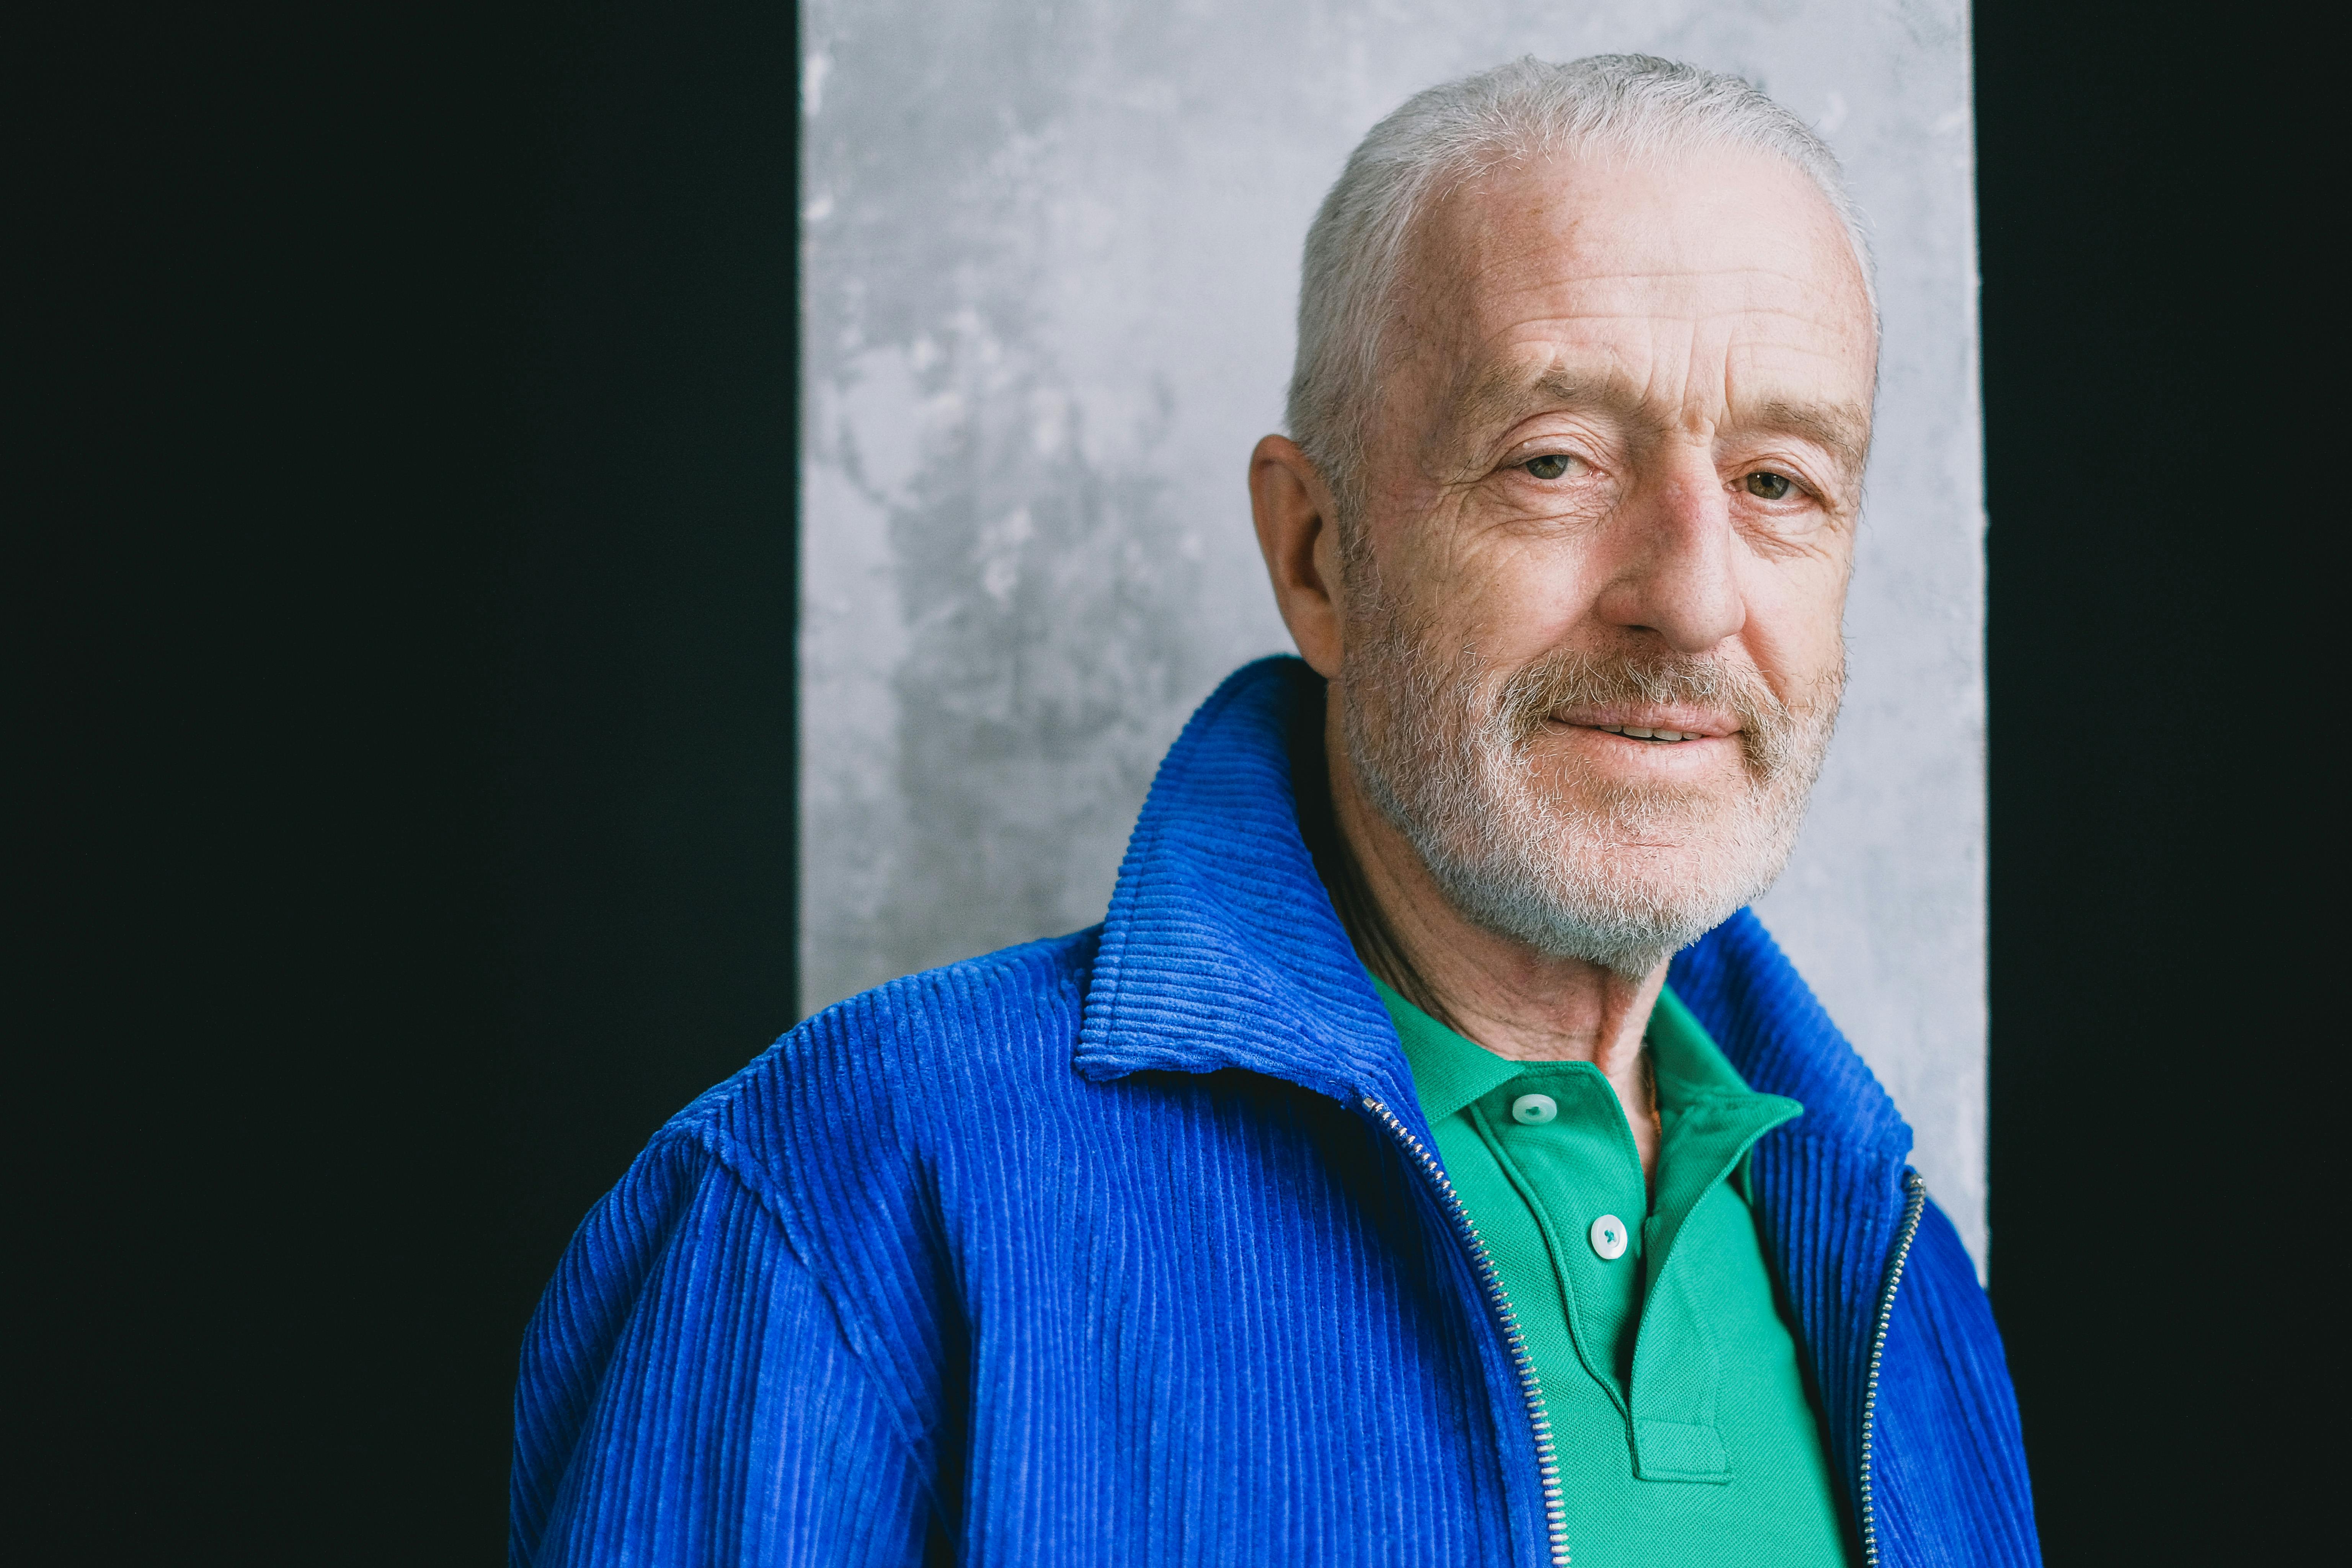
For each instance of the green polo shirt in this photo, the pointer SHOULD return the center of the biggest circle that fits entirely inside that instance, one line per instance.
(1677, 1406)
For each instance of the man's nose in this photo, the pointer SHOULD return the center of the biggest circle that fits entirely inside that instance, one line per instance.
(1675, 558)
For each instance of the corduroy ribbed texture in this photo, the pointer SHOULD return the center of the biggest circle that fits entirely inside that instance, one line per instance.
(1087, 1252)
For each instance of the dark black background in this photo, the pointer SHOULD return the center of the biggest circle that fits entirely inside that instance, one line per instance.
(401, 614)
(2158, 341)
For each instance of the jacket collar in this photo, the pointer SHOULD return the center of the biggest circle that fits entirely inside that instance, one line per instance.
(1221, 949)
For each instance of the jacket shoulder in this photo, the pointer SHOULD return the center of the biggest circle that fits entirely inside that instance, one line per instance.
(861, 1081)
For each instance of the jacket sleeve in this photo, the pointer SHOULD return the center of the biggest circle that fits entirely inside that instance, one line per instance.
(1950, 1456)
(687, 1398)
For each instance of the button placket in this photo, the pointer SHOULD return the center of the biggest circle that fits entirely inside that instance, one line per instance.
(1588, 1168)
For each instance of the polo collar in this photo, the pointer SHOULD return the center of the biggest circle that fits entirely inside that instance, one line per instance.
(1450, 1071)
(1688, 1064)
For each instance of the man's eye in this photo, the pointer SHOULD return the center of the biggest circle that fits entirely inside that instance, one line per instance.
(1769, 487)
(1551, 465)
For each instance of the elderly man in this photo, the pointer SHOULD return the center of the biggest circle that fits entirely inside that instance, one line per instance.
(1428, 1160)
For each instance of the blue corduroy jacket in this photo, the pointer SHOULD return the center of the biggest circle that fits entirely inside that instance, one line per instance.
(1130, 1248)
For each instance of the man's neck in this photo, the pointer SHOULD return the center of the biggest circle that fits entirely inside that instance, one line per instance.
(1506, 995)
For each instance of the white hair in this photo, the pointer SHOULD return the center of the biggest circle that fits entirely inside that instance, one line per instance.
(1634, 104)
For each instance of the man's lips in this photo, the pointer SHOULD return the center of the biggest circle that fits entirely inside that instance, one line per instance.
(1656, 725)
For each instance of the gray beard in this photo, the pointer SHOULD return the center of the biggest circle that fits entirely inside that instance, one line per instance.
(1442, 750)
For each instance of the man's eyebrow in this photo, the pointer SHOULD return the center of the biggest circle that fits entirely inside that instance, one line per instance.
(1505, 392)
(1840, 430)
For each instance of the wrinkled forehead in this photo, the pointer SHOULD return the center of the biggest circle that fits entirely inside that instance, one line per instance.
(1701, 279)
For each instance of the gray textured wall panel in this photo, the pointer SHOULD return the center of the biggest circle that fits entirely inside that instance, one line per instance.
(1050, 258)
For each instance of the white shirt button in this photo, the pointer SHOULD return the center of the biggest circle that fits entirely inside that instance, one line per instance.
(1534, 1110)
(1609, 1236)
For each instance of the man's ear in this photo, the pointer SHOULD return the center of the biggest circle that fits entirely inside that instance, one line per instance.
(1298, 532)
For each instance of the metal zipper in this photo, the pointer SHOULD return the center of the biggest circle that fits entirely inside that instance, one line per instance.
(1547, 1463)
(1915, 1201)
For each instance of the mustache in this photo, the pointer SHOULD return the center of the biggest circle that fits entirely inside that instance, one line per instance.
(1768, 727)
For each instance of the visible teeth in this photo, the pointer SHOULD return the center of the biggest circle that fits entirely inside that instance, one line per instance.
(1639, 733)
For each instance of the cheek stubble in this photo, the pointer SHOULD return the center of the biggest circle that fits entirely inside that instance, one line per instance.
(1443, 748)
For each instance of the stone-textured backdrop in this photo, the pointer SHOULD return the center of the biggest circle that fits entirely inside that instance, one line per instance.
(1050, 258)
